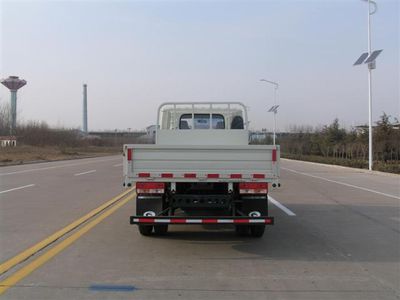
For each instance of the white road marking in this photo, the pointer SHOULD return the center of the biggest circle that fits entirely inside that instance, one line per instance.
(83, 173)
(281, 206)
(56, 167)
(343, 183)
(117, 165)
(17, 188)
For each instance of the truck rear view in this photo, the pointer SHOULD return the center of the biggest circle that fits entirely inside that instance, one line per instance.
(201, 170)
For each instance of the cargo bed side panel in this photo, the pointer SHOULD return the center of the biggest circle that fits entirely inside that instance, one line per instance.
(155, 160)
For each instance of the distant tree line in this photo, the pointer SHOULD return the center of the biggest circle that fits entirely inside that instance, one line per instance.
(40, 134)
(348, 147)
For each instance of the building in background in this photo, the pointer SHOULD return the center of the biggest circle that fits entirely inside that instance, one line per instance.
(8, 141)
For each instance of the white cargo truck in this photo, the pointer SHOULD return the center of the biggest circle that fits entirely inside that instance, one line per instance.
(201, 170)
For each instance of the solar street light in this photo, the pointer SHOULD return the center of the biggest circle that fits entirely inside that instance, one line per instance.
(369, 59)
(274, 108)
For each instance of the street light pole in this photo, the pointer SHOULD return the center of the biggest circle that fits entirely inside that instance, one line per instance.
(370, 67)
(369, 58)
(275, 110)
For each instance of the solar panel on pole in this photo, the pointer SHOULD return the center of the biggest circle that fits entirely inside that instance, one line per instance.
(273, 108)
(373, 56)
(361, 59)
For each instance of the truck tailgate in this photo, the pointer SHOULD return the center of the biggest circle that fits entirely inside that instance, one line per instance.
(200, 163)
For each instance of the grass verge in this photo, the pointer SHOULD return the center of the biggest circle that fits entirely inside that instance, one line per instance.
(389, 167)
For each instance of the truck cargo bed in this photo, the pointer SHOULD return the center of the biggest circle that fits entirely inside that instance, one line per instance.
(200, 163)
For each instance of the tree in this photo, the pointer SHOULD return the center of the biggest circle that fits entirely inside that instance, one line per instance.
(385, 142)
(5, 119)
(332, 138)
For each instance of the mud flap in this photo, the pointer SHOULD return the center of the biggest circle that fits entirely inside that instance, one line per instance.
(254, 206)
(148, 205)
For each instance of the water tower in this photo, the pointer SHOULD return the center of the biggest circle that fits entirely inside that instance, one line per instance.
(13, 83)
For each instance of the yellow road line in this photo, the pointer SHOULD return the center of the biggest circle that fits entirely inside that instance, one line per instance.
(26, 270)
(7, 265)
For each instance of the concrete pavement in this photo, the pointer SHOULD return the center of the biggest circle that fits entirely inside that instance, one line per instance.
(56, 198)
(342, 243)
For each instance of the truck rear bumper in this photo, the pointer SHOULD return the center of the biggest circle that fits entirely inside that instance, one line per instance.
(201, 220)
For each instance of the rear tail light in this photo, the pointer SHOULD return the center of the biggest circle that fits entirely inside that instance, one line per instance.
(129, 154)
(274, 155)
(150, 187)
(253, 188)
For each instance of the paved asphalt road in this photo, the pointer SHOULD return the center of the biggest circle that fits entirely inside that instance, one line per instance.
(336, 237)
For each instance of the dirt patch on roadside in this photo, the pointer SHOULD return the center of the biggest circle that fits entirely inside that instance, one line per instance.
(25, 154)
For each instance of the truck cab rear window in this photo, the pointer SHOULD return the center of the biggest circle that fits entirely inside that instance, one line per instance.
(202, 121)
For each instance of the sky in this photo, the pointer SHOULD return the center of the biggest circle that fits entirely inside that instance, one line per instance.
(134, 55)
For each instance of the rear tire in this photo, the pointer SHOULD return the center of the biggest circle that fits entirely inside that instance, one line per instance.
(161, 229)
(145, 229)
(242, 230)
(257, 230)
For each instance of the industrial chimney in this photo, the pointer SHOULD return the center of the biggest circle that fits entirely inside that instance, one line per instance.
(85, 122)
(13, 83)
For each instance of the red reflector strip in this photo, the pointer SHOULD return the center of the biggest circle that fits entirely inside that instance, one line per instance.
(144, 174)
(171, 220)
(237, 176)
(212, 175)
(259, 176)
(129, 154)
(143, 220)
(167, 175)
(210, 221)
(190, 175)
(274, 155)
(241, 221)
(178, 221)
